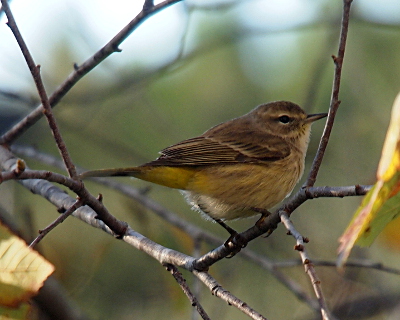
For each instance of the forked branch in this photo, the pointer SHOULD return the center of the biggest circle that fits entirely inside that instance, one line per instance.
(81, 70)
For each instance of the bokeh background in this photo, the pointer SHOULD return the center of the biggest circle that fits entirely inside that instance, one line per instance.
(190, 67)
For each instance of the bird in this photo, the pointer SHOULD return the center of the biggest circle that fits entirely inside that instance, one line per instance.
(236, 169)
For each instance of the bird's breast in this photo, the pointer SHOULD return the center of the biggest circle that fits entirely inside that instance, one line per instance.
(224, 191)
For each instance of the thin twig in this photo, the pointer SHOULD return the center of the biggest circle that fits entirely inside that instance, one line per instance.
(225, 295)
(118, 227)
(185, 288)
(294, 287)
(55, 223)
(308, 265)
(35, 71)
(334, 104)
(80, 71)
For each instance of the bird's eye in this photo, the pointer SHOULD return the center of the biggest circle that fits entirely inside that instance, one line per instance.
(284, 119)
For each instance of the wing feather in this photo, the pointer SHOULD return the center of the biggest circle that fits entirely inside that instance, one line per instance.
(224, 149)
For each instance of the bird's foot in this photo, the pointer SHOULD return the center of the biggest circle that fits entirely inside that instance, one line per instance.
(264, 213)
(235, 242)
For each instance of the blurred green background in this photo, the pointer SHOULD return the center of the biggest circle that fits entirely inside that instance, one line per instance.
(224, 59)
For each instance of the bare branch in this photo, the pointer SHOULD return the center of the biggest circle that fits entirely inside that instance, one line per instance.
(55, 223)
(185, 288)
(35, 71)
(83, 69)
(35, 183)
(334, 104)
(225, 295)
(37, 178)
(308, 265)
(292, 285)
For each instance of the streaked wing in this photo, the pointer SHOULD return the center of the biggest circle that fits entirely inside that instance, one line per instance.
(205, 150)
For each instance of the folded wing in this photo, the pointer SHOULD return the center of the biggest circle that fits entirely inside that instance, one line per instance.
(223, 149)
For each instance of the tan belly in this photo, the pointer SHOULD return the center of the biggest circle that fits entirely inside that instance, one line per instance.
(230, 192)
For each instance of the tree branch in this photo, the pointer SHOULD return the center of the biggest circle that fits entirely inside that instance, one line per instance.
(37, 179)
(308, 265)
(80, 71)
(335, 102)
(225, 295)
(35, 71)
(55, 223)
(185, 288)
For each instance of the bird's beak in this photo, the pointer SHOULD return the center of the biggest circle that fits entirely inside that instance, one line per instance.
(314, 117)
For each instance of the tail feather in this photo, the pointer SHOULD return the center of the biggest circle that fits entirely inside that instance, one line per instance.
(117, 172)
(172, 177)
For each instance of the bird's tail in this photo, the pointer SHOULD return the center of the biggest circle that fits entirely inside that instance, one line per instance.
(117, 172)
(172, 177)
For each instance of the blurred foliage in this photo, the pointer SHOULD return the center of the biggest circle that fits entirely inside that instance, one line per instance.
(122, 115)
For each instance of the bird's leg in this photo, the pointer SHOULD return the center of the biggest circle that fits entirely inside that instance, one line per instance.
(239, 241)
(264, 213)
(231, 231)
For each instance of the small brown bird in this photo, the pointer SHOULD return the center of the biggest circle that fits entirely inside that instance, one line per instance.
(238, 168)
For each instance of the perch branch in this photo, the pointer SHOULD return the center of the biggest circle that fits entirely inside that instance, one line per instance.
(271, 222)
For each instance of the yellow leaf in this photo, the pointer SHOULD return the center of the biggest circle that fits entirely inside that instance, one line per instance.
(382, 203)
(22, 270)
